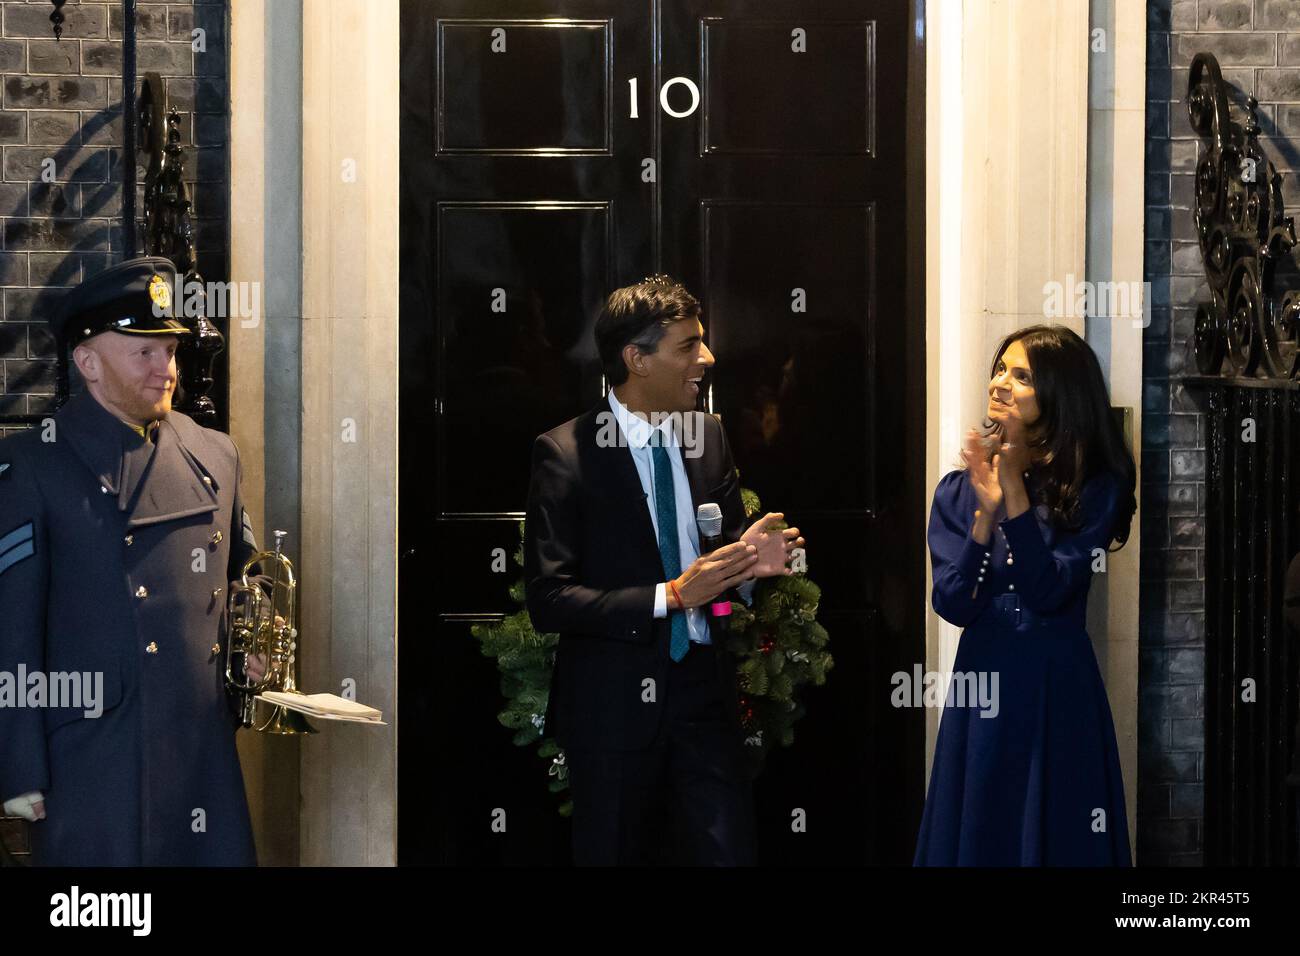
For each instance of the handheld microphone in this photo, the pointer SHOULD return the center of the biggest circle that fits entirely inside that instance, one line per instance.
(709, 518)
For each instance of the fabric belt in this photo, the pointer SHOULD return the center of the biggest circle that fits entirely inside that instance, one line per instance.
(1005, 610)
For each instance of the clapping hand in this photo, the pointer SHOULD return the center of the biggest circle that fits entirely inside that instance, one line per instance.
(983, 464)
(773, 547)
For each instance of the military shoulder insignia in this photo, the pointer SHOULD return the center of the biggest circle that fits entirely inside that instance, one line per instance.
(159, 292)
(16, 546)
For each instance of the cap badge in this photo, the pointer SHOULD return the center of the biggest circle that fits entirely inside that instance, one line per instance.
(159, 292)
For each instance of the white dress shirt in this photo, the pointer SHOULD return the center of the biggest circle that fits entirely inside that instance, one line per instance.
(638, 432)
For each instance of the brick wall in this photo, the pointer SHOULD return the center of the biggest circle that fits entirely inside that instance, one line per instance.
(62, 100)
(1257, 43)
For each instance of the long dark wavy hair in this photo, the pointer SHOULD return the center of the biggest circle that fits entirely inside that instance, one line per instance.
(1076, 436)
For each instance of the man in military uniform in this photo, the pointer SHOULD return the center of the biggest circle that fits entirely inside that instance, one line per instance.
(121, 527)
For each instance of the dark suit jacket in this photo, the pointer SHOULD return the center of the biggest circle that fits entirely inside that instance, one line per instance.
(591, 563)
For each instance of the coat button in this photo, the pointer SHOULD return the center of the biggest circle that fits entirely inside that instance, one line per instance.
(130, 540)
(207, 480)
(103, 489)
(142, 592)
(216, 649)
(216, 593)
(151, 648)
(1011, 587)
(216, 537)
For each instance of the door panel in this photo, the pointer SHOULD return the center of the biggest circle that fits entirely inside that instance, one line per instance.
(516, 284)
(779, 371)
(748, 66)
(549, 94)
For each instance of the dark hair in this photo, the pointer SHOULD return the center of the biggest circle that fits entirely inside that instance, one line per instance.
(639, 315)
(1076, 436)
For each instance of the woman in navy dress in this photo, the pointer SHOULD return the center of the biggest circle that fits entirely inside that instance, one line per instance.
(1015, 537)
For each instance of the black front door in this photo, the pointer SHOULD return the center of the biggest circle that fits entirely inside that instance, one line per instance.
(536, 178)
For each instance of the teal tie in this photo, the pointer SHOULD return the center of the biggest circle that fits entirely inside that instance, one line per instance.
(669, 549)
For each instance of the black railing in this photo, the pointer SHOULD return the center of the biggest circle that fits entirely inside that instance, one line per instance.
(1252, 497)
(1246, 352)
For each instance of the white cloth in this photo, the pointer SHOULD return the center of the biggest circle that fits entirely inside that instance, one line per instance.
(24, 806)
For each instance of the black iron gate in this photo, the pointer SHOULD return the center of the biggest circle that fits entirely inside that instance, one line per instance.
(1250, 653)
(1246, 351)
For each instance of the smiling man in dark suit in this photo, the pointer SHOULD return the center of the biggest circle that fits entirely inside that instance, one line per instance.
(643, 698)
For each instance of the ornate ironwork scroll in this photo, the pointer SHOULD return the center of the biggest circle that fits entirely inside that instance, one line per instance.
(169, 232)
(1249, 326)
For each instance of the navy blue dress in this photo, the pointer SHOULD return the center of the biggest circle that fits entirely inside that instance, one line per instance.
(1038, 784)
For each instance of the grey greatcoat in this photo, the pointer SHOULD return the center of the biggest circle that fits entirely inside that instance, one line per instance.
(115, 558)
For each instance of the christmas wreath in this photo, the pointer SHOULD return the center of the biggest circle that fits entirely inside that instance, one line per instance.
(777, 643)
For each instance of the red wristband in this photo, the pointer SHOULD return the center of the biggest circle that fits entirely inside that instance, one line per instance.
(681, 605)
